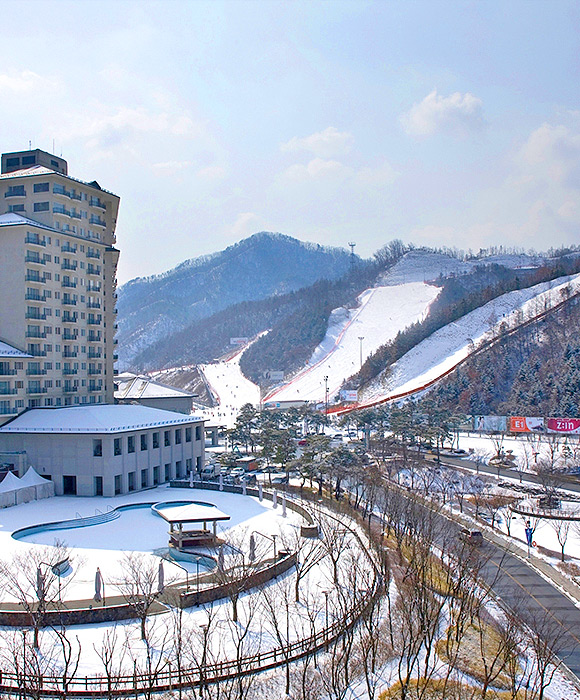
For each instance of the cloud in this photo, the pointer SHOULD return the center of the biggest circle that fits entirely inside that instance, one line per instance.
(319, 170)
(245, 224)
(552, 154)
(25, 81)
(324, 144)
(458, 113)
(212, 172)
(172, 166)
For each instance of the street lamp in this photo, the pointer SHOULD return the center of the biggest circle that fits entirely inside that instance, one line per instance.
(326, 394)
(360, 339)
(270, 538)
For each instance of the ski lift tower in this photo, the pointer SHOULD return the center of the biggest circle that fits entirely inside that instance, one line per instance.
(352, 255)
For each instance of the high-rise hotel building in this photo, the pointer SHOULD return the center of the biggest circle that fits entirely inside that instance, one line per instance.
(57, 286)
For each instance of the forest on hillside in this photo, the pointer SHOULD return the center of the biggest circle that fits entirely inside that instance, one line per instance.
(534, 372)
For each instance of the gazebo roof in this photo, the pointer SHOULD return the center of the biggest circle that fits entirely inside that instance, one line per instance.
(192, 513)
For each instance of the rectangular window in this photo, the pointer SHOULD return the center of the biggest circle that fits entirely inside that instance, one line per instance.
(144, 478)
(198, 432)
(117, 450)
(155, 476)
(41, 206)
(131, 444)
(41, 187)
(28, 160)
(97, 448)
(155, 440)
(131, 481)
(167, 472)
(117, 484)
(178, 473)
(98, 485)
(167, 438)
(188, 435)
(11, 162)
(143, 442)
(178, 437)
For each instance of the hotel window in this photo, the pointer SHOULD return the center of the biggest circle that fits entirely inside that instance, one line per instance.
(166, 438)
(178, 437)
(131, 444)
(155, 440)
(41, 187)
(143, 442)
(97, 448)
(188, 435)
(117, 450)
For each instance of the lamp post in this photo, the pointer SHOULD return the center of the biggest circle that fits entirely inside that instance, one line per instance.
(204, 628)
(360, 340)
(325, 395)
(270, 538)
(186, 574)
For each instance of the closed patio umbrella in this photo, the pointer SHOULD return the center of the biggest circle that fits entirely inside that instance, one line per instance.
(98, 586)
(252, 547)
(161, 582)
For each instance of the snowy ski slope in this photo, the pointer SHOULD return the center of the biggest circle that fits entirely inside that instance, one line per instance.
(382, 312)
(440, 352)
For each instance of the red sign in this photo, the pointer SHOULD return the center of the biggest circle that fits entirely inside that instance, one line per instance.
(564, 425)
(521, 424)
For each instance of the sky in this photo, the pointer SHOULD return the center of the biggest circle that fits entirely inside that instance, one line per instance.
(441, 123)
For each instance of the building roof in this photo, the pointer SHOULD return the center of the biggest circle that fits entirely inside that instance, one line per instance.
(192, 513)
(12, 219)
(41, 170)
(94, 419)
(133, 386)
(9, 351)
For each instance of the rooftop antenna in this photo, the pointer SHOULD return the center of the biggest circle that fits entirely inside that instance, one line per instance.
(352, 256)
(29, 145)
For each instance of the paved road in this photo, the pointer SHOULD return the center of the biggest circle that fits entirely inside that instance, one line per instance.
(535, 599)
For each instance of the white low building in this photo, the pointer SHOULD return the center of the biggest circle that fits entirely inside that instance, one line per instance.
(134, 388)
(106, 450)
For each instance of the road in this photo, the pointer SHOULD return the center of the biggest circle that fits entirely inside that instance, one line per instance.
(533, 598)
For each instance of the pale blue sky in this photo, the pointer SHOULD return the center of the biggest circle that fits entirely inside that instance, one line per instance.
(442, 123)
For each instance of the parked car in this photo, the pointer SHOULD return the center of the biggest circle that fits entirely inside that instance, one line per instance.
(237, 472)
(247, 479)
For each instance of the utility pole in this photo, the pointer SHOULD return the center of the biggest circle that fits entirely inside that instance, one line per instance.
(361, 338)
(326, 395)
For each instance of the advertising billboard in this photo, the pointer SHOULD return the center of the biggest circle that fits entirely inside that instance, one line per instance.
(521, 424)
(565, 426)
(238, 341)
(490, 424)
(349, 395)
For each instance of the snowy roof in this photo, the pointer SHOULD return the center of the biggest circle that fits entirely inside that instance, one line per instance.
(192, 513)
(9, 351)
(43, 171)
(104, 418)
(132, 386)
(12, 219)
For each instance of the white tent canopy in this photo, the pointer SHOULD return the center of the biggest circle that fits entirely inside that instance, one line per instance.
(31, 487)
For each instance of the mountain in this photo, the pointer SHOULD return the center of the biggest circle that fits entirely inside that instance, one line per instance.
(263, 265)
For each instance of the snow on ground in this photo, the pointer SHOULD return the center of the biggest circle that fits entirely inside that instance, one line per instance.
(382, 312)
(139, 530)
(452, 343)
(230, 389)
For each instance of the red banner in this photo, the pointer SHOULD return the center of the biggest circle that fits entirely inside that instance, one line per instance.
(564, 425)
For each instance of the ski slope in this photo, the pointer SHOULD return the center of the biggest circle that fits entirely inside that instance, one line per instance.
(381, 313)
(230, 389)
(439, 353)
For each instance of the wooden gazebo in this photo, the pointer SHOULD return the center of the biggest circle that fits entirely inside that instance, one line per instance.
(182, 536)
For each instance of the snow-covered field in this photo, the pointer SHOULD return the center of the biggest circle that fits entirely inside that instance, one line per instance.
(140, 530)
(446, 347)
(382, 312)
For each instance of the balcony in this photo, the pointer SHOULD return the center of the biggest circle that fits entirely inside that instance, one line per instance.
(7, 372)
(68, 284)
(94, 321)
(34, 258)
(71, 194)
(66, 265)
(95, 202)
(93, 304)
(67, 335)
(35, 372)
(36, 390)
(35, 351)
(94, 337)
(8, 411)
(67, 317)
(35, 334)
(93, 355)
(15, 192)
(93, 254)
(93, 270)
(69, 301)
(35, 315)
(35, 240)
(69, 354)
(35, 296)
(93, 387)
(70, 372)
(115, 357)
(35, 276)
(70, 389)
(94, 287)
(61, 209)
(68, 248)
(93, 372)
(6, 391)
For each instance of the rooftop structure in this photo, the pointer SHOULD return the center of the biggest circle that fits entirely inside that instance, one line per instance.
(133, 388)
